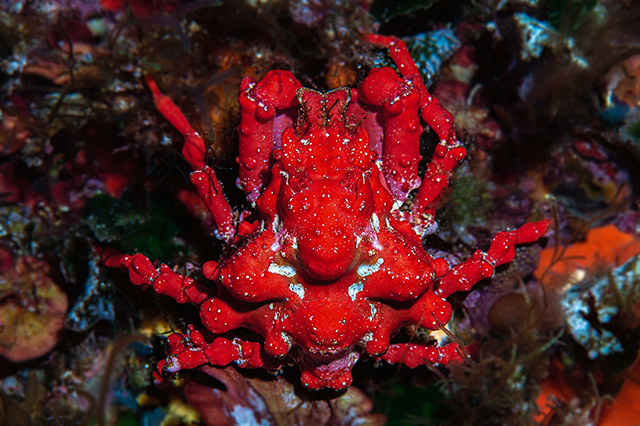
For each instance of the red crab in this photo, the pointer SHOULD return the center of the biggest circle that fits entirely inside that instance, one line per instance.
(331, 269)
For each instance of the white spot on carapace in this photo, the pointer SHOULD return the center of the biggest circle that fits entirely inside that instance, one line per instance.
(294, 243)
(365, 270)
(375, 222)
(284, 270)
(374, 310)
(286, 338)
(297, 289)
(354, 289)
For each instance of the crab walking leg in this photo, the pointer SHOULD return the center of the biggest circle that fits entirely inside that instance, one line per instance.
(399, 99)
(482, 265)
(203, 178)
(188, 351)
(414, 355)
(180, 288)
(210, 191)
(259, 106)
(191, 351)
(436, 179)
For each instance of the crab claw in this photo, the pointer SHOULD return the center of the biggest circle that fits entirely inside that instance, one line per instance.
(263, 108)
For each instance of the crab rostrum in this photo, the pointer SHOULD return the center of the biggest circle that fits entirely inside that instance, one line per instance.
(332, 268)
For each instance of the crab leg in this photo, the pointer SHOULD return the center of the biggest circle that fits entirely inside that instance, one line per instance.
(203, 178)
(448, 153)
(192, 350)
(436, 179)
(399, 99)
(414, 355)
(482, 265)
(180, 288)
(260, 105)
(461, 278)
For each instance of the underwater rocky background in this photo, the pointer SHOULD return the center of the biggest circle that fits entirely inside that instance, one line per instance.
(546, 99)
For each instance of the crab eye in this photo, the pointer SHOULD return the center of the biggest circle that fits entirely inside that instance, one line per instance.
(277, 154)
(373, 155)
